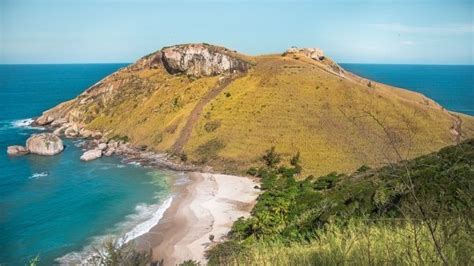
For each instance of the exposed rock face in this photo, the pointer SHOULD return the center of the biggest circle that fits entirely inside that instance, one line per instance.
(45, 144)
(91, 155)
(17, 150)
(201, 60)
(313, 53)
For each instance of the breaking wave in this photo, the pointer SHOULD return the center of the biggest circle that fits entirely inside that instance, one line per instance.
(146, 216)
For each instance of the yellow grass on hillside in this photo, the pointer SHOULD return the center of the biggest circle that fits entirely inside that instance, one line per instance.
(336, 120)
(295, 105)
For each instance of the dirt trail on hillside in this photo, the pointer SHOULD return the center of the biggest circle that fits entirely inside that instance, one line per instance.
(193, 117)
(456, 130)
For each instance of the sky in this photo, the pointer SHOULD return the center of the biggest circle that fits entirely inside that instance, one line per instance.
(367, 31)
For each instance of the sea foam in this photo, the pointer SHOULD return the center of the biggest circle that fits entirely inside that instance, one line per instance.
(38, 175)
(25, 123)
(137, 224)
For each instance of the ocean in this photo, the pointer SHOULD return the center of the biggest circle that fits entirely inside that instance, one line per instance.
(57, 207)
(450, 85)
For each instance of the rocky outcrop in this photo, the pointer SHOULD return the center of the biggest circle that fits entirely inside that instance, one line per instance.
(102, 146)
(91, 155)
(313, 53)
(201, 60)
(44, 144)
(17, 150)
(44, 120)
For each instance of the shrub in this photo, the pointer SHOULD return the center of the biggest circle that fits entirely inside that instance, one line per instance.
(271, 158)
(326, 182)
(252, 171)
(118, 252)
(212, 125)
(209, 150)
(183, 157)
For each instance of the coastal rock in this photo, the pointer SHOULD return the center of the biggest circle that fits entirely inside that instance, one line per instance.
(45, 144)
(91, 155)
(17, 150)
(313, 53)
(85, 133)
(109, 152)
(102, 146)
(59, 122)
(59, 131)
(113, 144)
(96, 135)
(201, 60)
(70, 132)
(44, 120)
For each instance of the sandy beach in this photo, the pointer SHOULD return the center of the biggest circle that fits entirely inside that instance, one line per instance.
(207, 205)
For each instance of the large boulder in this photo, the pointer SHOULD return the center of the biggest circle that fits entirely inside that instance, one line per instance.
(202, 60)
(45, 144)
(17, 150)
(44, 120)
(91, 155)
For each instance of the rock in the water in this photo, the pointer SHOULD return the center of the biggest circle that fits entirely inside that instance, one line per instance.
(91, 155)
(17, 150)
(201, 60)
(45, 144)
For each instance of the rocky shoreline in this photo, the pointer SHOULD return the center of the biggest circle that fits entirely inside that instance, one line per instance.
(98, 145)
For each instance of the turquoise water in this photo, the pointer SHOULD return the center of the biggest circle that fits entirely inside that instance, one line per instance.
(51, 206)
(451, 86)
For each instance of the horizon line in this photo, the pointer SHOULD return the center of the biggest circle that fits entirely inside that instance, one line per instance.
(354, 63)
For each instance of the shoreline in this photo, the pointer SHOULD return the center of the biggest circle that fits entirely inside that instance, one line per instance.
(207, 205)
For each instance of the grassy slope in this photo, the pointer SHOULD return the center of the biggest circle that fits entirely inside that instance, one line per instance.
(293, 104)
(369, 217)
(155, 117)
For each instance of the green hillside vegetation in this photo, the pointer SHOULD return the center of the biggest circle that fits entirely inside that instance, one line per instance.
(413, 212)
(289, 101)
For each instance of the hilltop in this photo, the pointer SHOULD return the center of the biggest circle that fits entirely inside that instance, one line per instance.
(211, 106)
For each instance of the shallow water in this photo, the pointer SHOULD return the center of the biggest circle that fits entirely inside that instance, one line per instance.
(51, 206)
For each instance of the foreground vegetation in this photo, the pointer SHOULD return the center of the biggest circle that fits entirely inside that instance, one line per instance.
(413, 212)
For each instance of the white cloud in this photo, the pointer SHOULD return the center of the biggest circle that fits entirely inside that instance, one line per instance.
(448, 29)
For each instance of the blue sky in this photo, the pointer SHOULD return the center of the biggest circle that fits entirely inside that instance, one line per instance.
(382, 31)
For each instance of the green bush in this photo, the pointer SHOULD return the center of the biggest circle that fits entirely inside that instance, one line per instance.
(430, 196)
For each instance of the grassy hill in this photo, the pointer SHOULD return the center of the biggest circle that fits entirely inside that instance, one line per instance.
(409, 213)
(337, 121)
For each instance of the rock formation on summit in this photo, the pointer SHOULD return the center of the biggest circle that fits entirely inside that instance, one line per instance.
(313, 53)
(201, 60)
